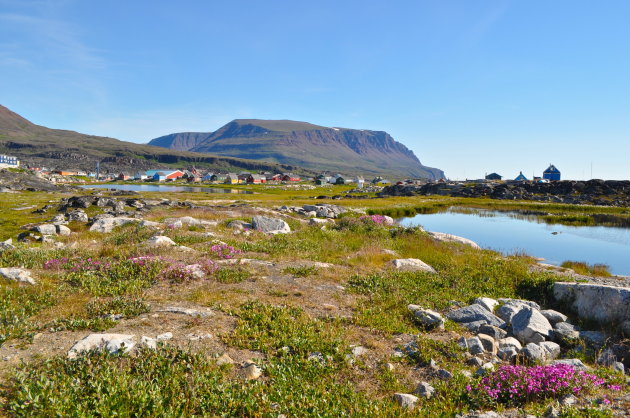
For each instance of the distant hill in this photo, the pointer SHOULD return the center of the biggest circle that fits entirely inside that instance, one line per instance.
(55, 148)
(350, 151)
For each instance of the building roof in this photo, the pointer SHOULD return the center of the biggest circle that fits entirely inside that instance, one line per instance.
(552, 169)
(521, 177)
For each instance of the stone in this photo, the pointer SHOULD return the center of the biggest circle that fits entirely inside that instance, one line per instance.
(7, 245)
(595, 339)
(78, 216)
(530, 326)
(106, 225)
(224, 359)
(508, 310)
(444, 374)
(45, 229)
(554, 316)
(239, 225)
(63, 230)
(59, 219)
(529, 303)
(319, 222)
(426, 317)
(405, 400)
(495, 332)
(619, 367)
(551, 349)
(150, 224)
(507, 353)
(474, 326)
(187, 311)
(198, 337)
(165, 336)
(424, 390)
(160, 241)
(474, 312)
(510, 342)
(270, 225)
(533, 352)
(565, 333)
(485, 368)
(474, 361)
(475, 346)
(148, 342)
(114, 343)
(597, 302)
(606, 358)
(359, 351)
(487, 303)
(15, 274)
(412, 264)
(624, 329)
(463, 343)
(389, 367)
(488, 343)
(250, 371)
(573, 362)
(568, 400)
(441, 236)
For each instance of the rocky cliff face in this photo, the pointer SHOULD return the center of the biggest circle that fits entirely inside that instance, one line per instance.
(350, 151)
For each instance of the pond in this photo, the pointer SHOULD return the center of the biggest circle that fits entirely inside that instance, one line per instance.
(160, 188)
(512, 233)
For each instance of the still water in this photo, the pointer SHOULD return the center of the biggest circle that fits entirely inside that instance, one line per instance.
(510, 233)
(156, 188)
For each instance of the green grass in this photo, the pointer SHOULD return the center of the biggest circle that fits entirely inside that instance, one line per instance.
(232, 275)
(17, 306)
(583, 268)
(300, 271)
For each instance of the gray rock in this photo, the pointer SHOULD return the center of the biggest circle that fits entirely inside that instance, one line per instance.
(487, 303)
(472, 313)
(7, 245)
(59, 219)
(573, 362)
(78, 216)
(529, 303)
(165, 336)
(15, 274)
(533, 352)
(441, 236)
(508, 310)
(601, 303)
(565, 333)
(412, 264)
(530, 326)
(45, 229)
(551, 349)
(270, 225)
(405, 400)
(444, 374)
(510, 342)
(494, 332)
(595, 339)
(484, 369)
(474, 361)
(113, 343)
(474, 326)
(250, 371)
(507, 353)
(489, 344)
(148, 342)
(554, 316)
(475, 346)
(619, 367)
(106, 225)
(187, 311)
(63, 230)
(426, 317)
(160, 241)
(425, 390)
(606, 358)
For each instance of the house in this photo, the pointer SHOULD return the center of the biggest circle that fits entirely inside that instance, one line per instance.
(231, 178)
(194, 179)
(123, 176)
(521, 177)
(217, 177)
(256, 179)
(139, 175)
(341, 180)
(551, 173)
(290, 177)
(207, 177)
(274, 177)
(8, 161)
(65, 173)
(493, 176)
(360, 181)
(159, 176)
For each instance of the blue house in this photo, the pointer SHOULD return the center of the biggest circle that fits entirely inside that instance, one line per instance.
(493, 176)
(521, 177)
(552, 173)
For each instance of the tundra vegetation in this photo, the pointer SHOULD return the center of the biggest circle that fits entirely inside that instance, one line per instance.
(310, 323)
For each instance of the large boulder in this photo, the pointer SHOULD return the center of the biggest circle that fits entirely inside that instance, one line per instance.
(15, 274)
(114, 343)
(441, 236)
(412, 264)
(270, 225)
(106, 225)
(601, 303)
(160, 241)
(325, 210)
(426, 317)
(45, 229)
(530, 326)
(475, 312)
(78, 216)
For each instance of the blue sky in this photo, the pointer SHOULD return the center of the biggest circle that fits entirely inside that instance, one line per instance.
(470, 86)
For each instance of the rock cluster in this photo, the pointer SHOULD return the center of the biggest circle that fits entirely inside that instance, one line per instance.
(321, 210)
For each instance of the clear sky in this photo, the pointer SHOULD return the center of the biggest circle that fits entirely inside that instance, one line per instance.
(470, 86)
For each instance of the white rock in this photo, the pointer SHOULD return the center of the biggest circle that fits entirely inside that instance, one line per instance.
(427, 317)
(530, 326)
(487, 303)
(488, 343)
(554, 316)
(106, 225)
(552, 350)
(113, 343)
(412, 264)
(150, 224)
(424, 390)
(573, 362)
(165, 336)
(187, 311)
(441, 236)
(63, 230)
(533, 352)
(250, 371)
(160, 241)
(148, 342)
(224, 359)
(270, 225)
(405, 400)
(45, 229)
(601, 303)
(359, 351)
(510, 342)
(17, 275)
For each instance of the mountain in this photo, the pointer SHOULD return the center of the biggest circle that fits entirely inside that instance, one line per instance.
(350, 151)
(54, 148)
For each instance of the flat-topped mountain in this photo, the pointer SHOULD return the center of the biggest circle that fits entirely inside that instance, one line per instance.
(311, 146)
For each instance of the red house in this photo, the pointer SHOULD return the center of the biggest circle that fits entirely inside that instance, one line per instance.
(172, 175)
(256, 179)
(290, 177)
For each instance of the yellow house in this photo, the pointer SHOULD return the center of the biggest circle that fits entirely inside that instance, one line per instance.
(231, 178)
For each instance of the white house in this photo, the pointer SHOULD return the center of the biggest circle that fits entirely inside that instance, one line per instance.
(7, 161)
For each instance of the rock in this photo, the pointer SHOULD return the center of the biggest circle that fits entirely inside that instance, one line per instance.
(250, 371)
(595, 339)
(606, 358)
(472, 313)
(405, 400)
(619, 367)
(424, 390)
(507, 353)
(530, 326)
(444, 374)
(463, 343)
(224, 359)
(59, 219)
(487, 303)
(426, 317)
(359, 351)
(474, 361)
(565, 333)
(412, 264)
(508, 310)
(573, 362)
(551, 349)
(601, 303)
(150, 224)
(533, 352)
(186, 311)
(510, 342)
(568, 400)
(165, 336)
(106, 225)
(485, 368)
(441, 236)
(319, 222)
(624, 329)
(148, 342)
(474, 326)
(529, 303)
(270, 225)
(239, 225)
(113, 343)
(63, 230)
(45, 229)
(553, 316)
(160, 241)
(78, 216)
(15, 274)
(198, 337)
(494, 332)
(7, 245)
(475, 346)
(389, 367)
(325, 210)
(488, 343)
